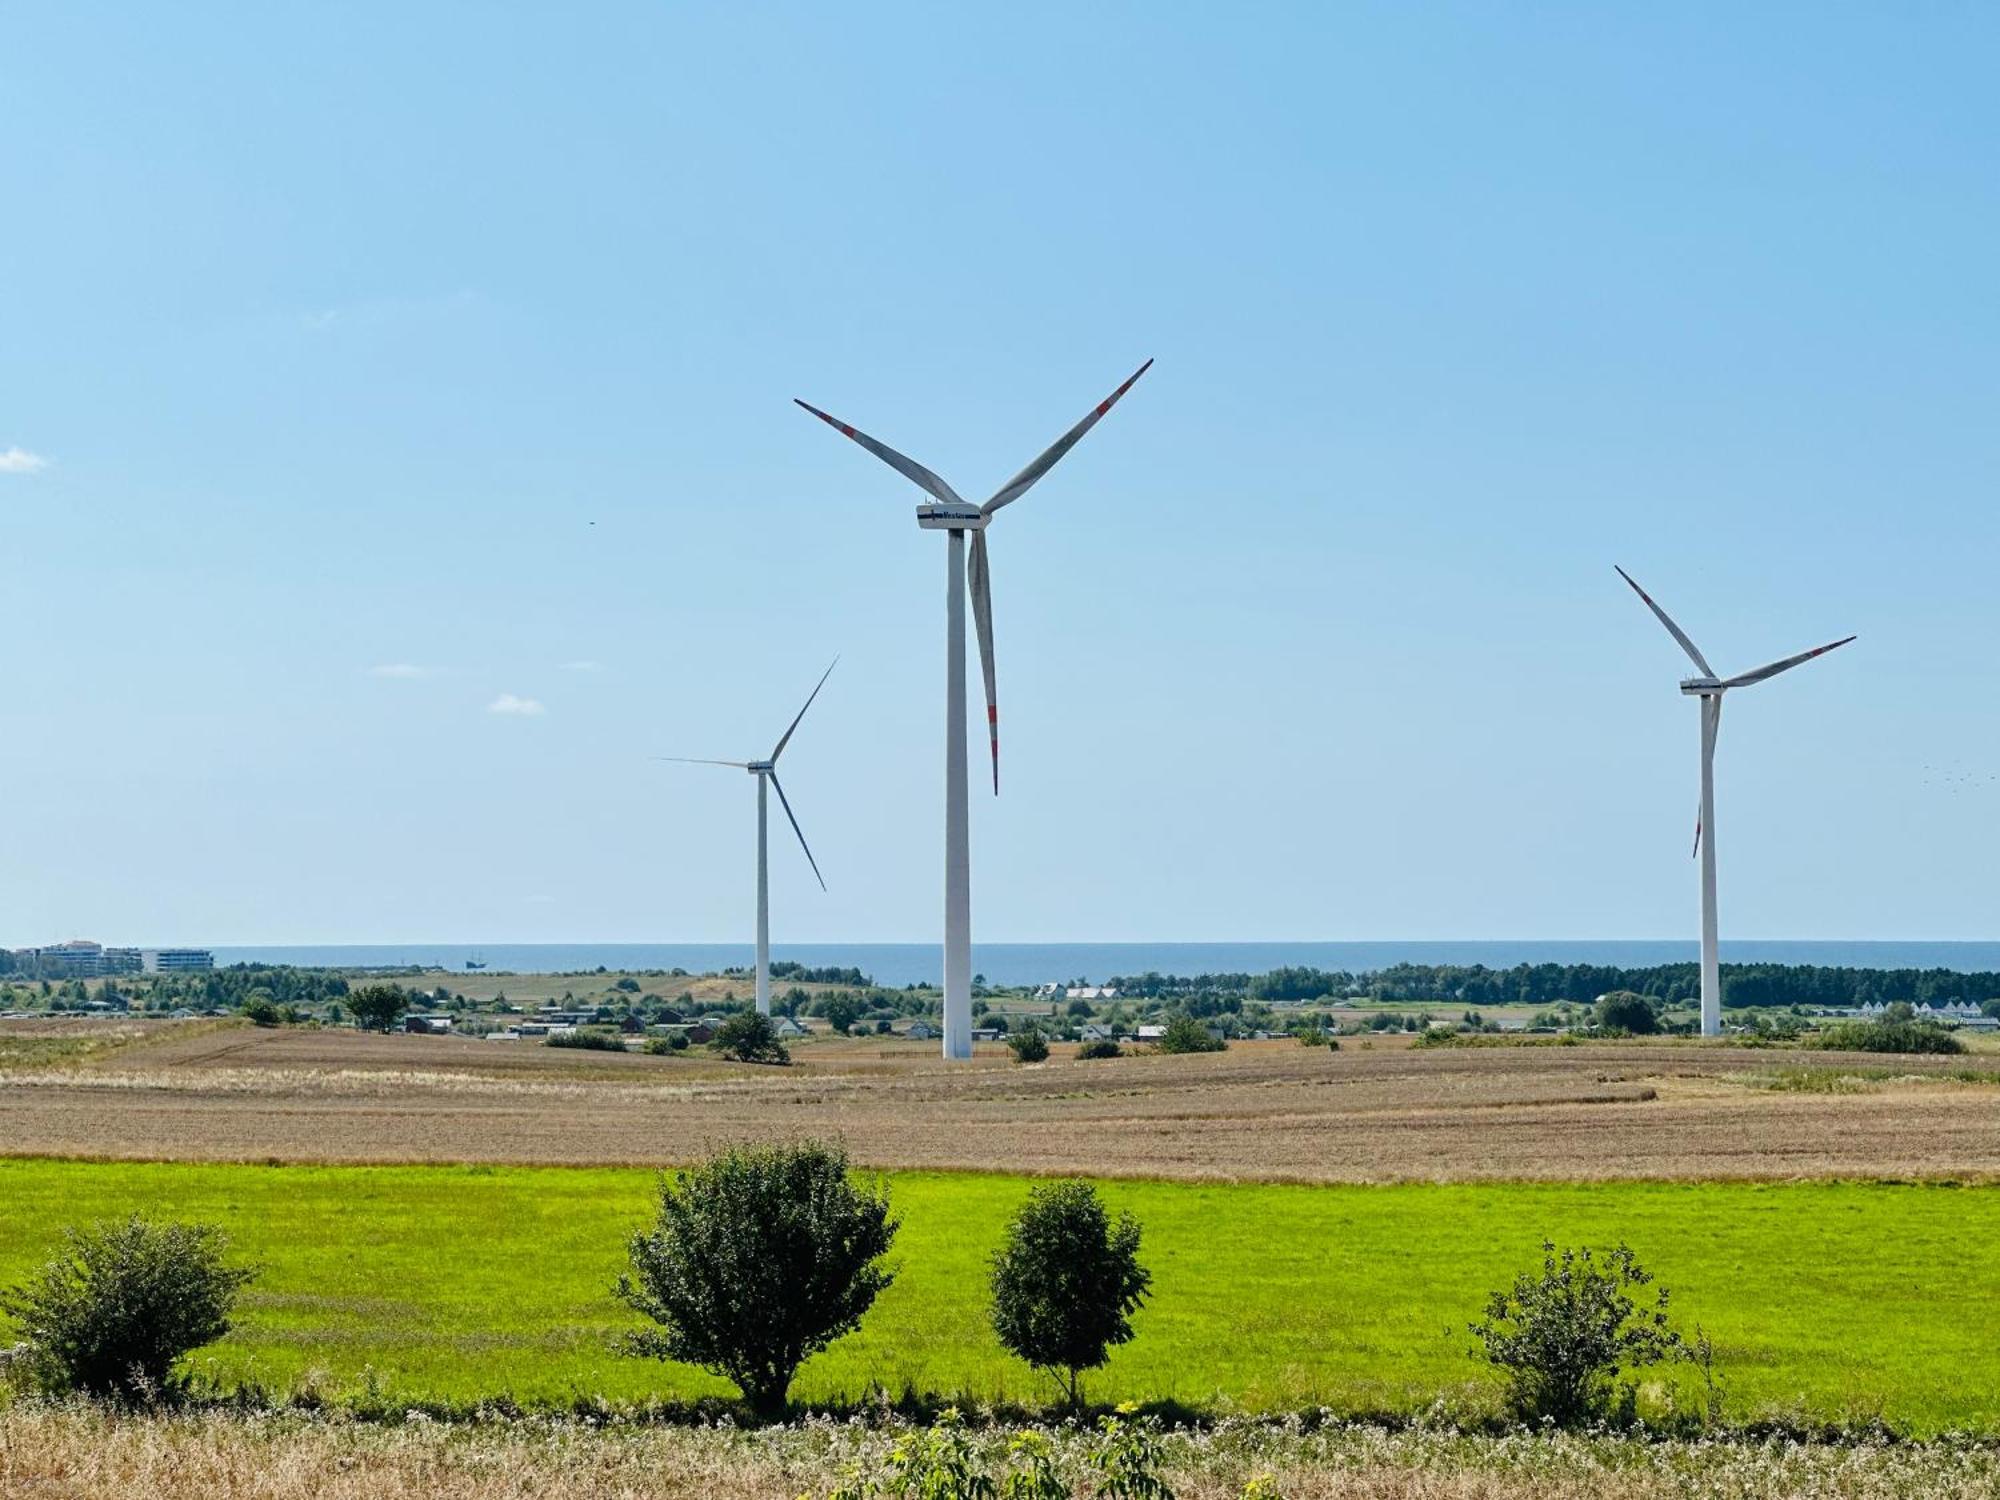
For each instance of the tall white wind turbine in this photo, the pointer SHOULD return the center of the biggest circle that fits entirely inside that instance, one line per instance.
(1709, 689)
(948, 513)
(766, 772)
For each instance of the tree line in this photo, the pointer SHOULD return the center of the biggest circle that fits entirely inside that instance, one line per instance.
(1763, 986)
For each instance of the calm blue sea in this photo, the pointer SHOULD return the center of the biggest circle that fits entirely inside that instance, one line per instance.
(1035, 963)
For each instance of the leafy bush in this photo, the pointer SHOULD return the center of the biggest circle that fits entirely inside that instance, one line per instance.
(114, 1313)
(666, 1046)
(1885, 1036)
(1029, 1045)
(1633, 1014)
(841, 1010)
(1563, 1336)
(259, 1011)
(1318, 1036)
(749, 1037)
(760, 1258)
(585, 1041)
(1185, 1034)
(1127, 1458)
(1103, 1048)
(1066, 1282)
(376, 1006)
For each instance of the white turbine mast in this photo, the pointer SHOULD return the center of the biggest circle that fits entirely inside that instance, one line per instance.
(948, 513)
(1709, 689)
(766, 772)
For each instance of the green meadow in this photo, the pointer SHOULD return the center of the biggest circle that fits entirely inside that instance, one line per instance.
(1831, 1301)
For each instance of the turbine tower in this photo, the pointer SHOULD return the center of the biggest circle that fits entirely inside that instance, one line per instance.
(1709, 689)
(766, 772)
(948, 513)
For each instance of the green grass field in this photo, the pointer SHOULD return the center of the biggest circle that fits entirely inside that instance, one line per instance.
(1828, 1300)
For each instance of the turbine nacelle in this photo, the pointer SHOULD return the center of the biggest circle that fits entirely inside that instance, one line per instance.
(949, 517)
(1701, 687)
(761, 767)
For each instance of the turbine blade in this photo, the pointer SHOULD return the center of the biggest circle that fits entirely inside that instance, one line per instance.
(796, 829)
(979, 579)
(1672, 629)
(1711, 729)
(1019, 485)
(695, 760)
(785, 738)
(1784, 666)
(909, 468)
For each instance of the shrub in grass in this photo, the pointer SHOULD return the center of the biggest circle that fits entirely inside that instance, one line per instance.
(666, 1046)
(1101, 1048)
(1633, 1014)
(1318, 1036)
(1885, 1036)
(1185, 1034)
(1029, 1045)
(116, 1311)
(586, 1041)
(759, 1258)
(1563, 1336)
(1066, 1283)
(750, 1037)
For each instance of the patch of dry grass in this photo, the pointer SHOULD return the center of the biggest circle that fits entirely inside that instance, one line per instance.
(83, 1454)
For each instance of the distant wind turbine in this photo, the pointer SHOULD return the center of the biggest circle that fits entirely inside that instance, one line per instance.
(949, 513)
(1709, 688)
(766, 772)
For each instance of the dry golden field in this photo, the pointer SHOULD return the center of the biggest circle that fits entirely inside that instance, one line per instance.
(1269, 1111)
(87, 1455)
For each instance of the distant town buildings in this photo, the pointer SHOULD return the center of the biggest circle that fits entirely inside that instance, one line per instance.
(82, 959)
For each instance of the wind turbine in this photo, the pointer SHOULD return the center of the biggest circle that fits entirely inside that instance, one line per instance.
(948, 513)
(766, 772)
(1710, 688)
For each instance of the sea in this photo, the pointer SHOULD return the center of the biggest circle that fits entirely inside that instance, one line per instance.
(899, 964)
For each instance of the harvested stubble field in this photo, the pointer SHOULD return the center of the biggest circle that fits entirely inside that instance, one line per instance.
(83, 1455)
(1271, 1111)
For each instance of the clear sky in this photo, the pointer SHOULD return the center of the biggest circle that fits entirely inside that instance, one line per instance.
(367, 371)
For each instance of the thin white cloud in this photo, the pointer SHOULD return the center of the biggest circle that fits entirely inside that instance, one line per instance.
(21, 461)
(583, 666)
(401, 671)
(507, 703)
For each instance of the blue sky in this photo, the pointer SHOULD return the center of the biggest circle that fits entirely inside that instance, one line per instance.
(459, 340)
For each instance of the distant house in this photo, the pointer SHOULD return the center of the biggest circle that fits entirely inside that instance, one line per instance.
(787, 1027)
(698, 1033)
(921, 1031)
(632, 1026)
(1151, 1033)
(1094, 1031)
(668, 1017)
(986, 1033)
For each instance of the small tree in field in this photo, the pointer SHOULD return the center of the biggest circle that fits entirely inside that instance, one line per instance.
(1185, 1034)
(760, 1258)
(114, 1313)
(375, 1007)
(1066, 1283)
(1626, 1011)
(1563, 1336)
(1029, 1045)
(750, 1037)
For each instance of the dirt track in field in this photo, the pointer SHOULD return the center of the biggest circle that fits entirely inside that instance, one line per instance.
(1265, 1111)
